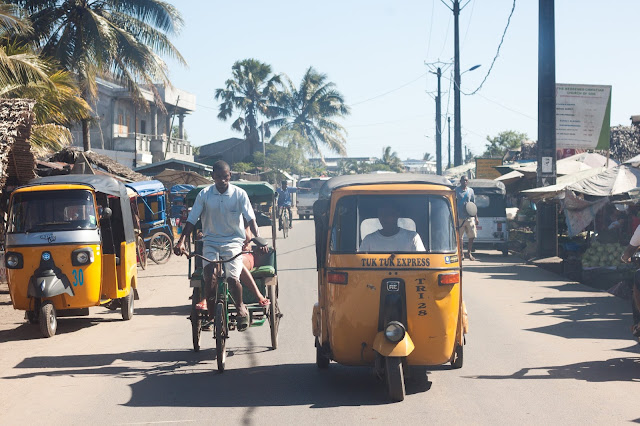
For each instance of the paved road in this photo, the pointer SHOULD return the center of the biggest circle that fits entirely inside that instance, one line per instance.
(540, 350)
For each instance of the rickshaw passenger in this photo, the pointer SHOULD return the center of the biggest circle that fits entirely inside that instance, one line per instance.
(391, 238)
(221, 208)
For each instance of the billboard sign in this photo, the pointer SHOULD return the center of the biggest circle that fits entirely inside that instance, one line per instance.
(485, 168)
(583, 116)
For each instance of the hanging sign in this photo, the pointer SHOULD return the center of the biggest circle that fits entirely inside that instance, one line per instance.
(583, 116)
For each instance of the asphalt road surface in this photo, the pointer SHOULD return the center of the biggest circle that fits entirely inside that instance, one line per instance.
(540, 351)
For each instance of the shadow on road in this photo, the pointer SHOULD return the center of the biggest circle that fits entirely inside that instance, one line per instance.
(184, 310)
(65, 325)
(612, 370)
(586, 318)
(189, 379)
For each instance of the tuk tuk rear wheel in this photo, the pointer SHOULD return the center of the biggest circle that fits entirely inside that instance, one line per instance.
(126, 305)
(48, 319)
(395, 378)
(457, 357)
(322, 361)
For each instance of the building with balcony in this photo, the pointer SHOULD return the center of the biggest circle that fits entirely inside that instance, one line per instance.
(134, 135)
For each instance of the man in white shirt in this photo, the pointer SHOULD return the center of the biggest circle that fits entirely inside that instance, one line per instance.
(391, 238)
(222, 209)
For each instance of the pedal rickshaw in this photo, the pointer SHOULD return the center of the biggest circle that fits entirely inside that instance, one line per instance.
(70, 245)
(155, 225)
(262, 197)
(382, 301)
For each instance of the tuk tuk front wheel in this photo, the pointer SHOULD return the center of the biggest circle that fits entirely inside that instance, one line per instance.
(126, 305)
(48, 319)
(395, 378)
(457, 357)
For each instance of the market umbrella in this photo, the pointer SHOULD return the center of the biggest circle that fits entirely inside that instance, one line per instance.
(551, 191)
(171, 177)
(616, 181)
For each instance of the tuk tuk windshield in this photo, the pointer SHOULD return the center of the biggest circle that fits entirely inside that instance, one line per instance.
(414, 223)
(52, 211)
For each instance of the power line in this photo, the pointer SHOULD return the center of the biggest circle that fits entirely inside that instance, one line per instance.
(473, 6)
(433, 5)
(390, 91)
(504, 33)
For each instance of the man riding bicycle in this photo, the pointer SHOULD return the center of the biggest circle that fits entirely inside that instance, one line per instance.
(223, 209)
(284, 201)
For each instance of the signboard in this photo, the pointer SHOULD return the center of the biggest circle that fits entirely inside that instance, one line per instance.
(485, 168)
(583, 116)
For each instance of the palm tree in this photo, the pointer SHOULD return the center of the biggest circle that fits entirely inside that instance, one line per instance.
(254, 92)
(311, 109)
(26, 74)
(120, 38)
(391, 159)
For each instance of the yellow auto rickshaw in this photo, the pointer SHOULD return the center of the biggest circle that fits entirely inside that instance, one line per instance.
(70, 244)
(389, 275)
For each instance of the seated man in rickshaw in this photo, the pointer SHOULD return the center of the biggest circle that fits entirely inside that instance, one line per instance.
(391, 238)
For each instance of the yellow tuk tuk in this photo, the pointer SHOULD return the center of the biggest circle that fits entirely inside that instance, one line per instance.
(70, 244)
(389, 275)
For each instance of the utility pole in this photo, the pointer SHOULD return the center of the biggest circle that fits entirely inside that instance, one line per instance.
(547, 214)
(449, 137)
(438, 127)
(457, 127)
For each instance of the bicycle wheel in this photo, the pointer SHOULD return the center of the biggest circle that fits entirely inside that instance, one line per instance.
(285, 223)
(221, 332)
(196, 321)
(160, 248)
(142, 252)
(274, 315)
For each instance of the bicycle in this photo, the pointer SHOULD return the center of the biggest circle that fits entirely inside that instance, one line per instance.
(225, 318)
(285, 220)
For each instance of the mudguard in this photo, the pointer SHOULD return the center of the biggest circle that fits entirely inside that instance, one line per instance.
(48, 286)
(315, 320)
(384, 347)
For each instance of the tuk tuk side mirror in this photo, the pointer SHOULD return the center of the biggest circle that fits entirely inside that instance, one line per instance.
(106, 213)
(472, 209)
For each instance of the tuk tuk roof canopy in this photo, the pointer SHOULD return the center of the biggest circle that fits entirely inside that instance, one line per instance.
(487, 186)
(147, 187)
(106, 185)
(381, 179)
(257, 191)
(181, 189)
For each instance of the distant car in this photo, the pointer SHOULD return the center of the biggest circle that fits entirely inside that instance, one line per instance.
(493, 231)
(305, 199)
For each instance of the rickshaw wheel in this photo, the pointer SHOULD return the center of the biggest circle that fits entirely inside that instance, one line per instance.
(160, 248)
(48, 319)
(322, 361)
(457, 357)
(395, 378)
(142, 253)
(126, 305)
(274, 315)
(196, 322)
(221, 336)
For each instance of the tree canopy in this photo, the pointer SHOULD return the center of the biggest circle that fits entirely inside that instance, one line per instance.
(503, 142)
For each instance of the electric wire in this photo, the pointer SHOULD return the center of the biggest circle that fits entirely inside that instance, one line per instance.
(433, 5)
(390, 91)
(504, 33)
(473, 6)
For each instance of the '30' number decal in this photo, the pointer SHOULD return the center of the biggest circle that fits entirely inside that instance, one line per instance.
(78, 277)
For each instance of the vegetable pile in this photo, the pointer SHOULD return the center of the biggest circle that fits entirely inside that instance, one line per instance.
(602, 255)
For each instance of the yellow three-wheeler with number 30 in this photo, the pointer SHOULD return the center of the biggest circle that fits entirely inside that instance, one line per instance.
(389, 275)
(70, 244)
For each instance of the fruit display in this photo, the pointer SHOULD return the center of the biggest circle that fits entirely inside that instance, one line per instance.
(602, 255)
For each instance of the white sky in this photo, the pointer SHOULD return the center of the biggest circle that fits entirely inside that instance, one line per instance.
(370, 48)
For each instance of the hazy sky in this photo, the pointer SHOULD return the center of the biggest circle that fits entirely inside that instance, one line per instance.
(375, 52)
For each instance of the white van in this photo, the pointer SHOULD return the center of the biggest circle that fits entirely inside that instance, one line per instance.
(305, 199)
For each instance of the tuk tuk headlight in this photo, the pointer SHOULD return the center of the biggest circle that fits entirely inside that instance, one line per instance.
(81, 257)
(394, 331)
(13, 260)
